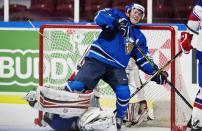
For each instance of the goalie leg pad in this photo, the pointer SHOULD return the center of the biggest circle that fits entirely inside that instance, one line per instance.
(137, 112)
(123, 97)
(96, 119)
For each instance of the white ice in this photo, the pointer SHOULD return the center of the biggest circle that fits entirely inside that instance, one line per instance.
(20, 117)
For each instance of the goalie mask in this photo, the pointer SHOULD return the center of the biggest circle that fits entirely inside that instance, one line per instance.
(129, 7)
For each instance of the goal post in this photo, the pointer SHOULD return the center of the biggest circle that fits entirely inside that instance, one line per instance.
(60, 49)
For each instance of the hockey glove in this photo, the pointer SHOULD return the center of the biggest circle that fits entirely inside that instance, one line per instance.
(185, 42)
(123, 26)
(161, 78)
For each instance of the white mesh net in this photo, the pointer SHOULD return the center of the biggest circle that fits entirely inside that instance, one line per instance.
(66, 45)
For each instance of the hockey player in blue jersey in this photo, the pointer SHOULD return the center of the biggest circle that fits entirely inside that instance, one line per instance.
(110, 53)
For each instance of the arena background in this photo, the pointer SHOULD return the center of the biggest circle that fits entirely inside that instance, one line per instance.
(19, 40)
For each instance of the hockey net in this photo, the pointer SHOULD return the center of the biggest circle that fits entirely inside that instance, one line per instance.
(61, 47)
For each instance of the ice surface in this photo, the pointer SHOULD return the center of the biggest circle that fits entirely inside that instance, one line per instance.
(20, 117)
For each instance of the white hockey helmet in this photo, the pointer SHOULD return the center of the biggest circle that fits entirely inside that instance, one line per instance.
(135, 6)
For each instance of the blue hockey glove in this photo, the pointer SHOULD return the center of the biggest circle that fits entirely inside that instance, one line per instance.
(161, 78)
(123, 26)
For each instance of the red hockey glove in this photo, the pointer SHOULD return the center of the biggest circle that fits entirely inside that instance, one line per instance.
(185, 42)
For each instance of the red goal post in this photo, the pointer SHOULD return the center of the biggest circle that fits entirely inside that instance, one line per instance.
(61, 46)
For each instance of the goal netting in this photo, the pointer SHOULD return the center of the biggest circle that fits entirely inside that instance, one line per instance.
(61, 47)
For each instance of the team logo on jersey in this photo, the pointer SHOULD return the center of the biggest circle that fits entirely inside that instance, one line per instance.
(129, 47)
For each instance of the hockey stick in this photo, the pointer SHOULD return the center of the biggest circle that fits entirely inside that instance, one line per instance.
(169, 82)
(80, 63)
(38, 31)
(44, 35)
(195, 32)
(159, 71)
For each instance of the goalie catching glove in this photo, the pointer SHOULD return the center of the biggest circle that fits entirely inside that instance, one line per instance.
(185, 42)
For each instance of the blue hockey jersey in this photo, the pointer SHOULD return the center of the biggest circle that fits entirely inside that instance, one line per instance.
(114, 49)
(199, 2)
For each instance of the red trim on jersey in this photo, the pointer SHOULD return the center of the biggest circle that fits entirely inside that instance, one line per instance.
(197, 105)
(193, 17)
(48, 104)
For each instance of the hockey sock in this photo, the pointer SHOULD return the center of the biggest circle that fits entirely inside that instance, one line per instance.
(123, 97)
(74, 86)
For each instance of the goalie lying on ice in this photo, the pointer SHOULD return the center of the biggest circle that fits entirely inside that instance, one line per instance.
(75, 111)
(92, 119)
(71, 111)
